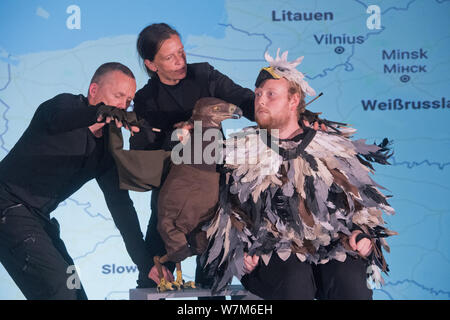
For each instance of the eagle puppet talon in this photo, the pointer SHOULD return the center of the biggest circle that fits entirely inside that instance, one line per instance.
(179, 283)
(164, 286)
(189, 285)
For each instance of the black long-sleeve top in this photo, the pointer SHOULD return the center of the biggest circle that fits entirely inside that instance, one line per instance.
(56, 155)
(162, 106)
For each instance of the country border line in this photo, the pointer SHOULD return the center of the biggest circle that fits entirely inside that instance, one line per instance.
(237, 60)
(86, 207)
(7, 107)
(390, 8)
(421, 286)
(224, 59)
(9, 77)
(348, 67)
(412, 164)
(250, 34)
(96, 246)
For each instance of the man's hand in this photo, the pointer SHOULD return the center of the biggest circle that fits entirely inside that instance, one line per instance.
(119, 124)
(250, 262)
(363, 246)
(121, 117)
(153, 274)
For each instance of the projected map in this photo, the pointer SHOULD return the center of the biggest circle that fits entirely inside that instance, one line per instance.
(384, 70)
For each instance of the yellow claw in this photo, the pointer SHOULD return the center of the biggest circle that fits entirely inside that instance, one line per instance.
(179, 276)
(179, 282)
(164, 286)
(190, 284)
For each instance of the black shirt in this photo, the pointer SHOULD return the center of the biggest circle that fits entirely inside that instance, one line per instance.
(176, 92)
(162, 105)
(56, 155)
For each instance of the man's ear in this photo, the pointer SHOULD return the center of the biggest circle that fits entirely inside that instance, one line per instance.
(151, 65)
(93, 89)
(294, 101)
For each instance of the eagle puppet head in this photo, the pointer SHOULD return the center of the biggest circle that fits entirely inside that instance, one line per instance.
(212, 111)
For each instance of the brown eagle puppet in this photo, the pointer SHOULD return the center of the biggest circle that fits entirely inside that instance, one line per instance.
(190, 193)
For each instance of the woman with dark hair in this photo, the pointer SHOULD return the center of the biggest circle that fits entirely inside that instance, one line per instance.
(174, 85)
(168, 99)
(150, 41)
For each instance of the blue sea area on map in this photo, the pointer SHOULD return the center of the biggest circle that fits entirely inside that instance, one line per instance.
(24, 31)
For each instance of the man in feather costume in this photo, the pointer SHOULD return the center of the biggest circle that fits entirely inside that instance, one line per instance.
(299, 217)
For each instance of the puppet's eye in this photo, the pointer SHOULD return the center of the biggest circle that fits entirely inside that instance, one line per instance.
(216, 108)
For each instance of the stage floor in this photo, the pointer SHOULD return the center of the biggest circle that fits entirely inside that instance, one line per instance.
(236, 292)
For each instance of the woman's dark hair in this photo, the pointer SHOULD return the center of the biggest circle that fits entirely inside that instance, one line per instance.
(150, 40)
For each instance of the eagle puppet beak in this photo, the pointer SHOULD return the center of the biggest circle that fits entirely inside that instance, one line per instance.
(235, 111)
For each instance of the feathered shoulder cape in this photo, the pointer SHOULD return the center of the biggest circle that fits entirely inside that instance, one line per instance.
(302, 196)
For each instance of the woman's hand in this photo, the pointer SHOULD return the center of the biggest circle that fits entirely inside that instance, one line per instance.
(250, 262)
(363, 246)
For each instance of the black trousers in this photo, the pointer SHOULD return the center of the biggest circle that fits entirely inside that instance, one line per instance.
(296, 280)
(34, 255)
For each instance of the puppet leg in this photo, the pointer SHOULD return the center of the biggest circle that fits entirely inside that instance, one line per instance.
(179, 282)
(163, 284)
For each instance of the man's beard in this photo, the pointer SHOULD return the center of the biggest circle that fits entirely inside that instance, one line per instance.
(267, 121)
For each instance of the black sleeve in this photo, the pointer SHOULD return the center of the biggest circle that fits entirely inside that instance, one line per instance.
(144, 107)
(66, 112)
(145, 139)
(224, 88)
(125, 218)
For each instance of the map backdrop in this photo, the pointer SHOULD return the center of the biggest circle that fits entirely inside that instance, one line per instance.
(385, 69)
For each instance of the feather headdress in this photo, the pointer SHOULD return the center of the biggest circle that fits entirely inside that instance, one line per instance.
(281, 68)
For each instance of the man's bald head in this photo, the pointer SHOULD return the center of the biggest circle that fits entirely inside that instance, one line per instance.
(113, 84)
(109, 67)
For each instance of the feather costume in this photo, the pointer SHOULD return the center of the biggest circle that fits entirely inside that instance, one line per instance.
(302, 197)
